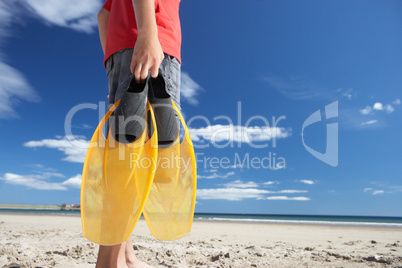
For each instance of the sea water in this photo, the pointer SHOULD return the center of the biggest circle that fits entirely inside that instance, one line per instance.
(251, 218)
(304, 219)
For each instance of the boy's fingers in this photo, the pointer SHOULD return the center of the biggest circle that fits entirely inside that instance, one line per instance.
(144, 73)
(137, 73)
(133, 66)
(154, 71)
(140, 71)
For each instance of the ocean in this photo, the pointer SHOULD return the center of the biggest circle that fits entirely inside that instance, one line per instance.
(256, 218)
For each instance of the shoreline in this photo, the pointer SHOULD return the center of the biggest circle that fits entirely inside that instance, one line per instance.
(74, 213)
(315, 223)
(238, 223)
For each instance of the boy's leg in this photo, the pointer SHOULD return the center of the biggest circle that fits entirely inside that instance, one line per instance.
(119, 75)
(112, 256)
(119, 256)
(131, 260)
(118, 72)
(130, 255)
(171, 72)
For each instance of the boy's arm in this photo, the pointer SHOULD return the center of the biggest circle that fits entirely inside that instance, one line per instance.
(148, 53)
(103, 20)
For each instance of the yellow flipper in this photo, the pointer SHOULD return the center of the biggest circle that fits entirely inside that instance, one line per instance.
(116, 181)
(169, 209)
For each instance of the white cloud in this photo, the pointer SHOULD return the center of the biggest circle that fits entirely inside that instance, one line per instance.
(67, 145)
(389, 189)
(307, 181)
(241, 184)
(389, 108)
(378, 106)
(239, 190)
(74, 14)
(295, 87)
(352, 118)
(189, 89)
(234, 194)
(291, 191)
(6, 18)
(47, 175)
(370, 122)
(13, 88)
(271, 182)
(216, 176)
(82, 126)
(232, 133)
(13, 85)
(237, 166)
(299, 198)
(348, 93)
(73, 182)
(366, 110)
(394, 188)
(40, 182)
(280, 165)
(31, 181)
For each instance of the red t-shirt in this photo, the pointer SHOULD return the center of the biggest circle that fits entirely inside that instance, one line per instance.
(122, 28)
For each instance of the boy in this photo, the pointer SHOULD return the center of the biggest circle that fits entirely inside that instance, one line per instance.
(138, 37)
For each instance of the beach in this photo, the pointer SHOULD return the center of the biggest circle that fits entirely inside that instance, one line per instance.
(57, 241)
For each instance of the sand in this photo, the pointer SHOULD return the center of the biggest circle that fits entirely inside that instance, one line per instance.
(57, 241)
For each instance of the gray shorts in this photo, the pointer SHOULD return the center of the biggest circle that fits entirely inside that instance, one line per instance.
(119, 74)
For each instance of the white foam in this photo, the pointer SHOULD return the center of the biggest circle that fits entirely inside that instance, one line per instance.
(345, 223)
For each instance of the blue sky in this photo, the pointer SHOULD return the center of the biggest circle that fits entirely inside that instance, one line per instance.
(246, 64)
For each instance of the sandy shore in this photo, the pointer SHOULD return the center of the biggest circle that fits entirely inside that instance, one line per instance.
(57, 241)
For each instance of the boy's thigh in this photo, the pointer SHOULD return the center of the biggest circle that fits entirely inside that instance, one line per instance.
(170, 69)
(118, 73)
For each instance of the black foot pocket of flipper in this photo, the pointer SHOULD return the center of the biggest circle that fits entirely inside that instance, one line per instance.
(128, 122)
(165, 117)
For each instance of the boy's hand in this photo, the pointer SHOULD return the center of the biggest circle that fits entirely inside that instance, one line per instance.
(147, 56)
